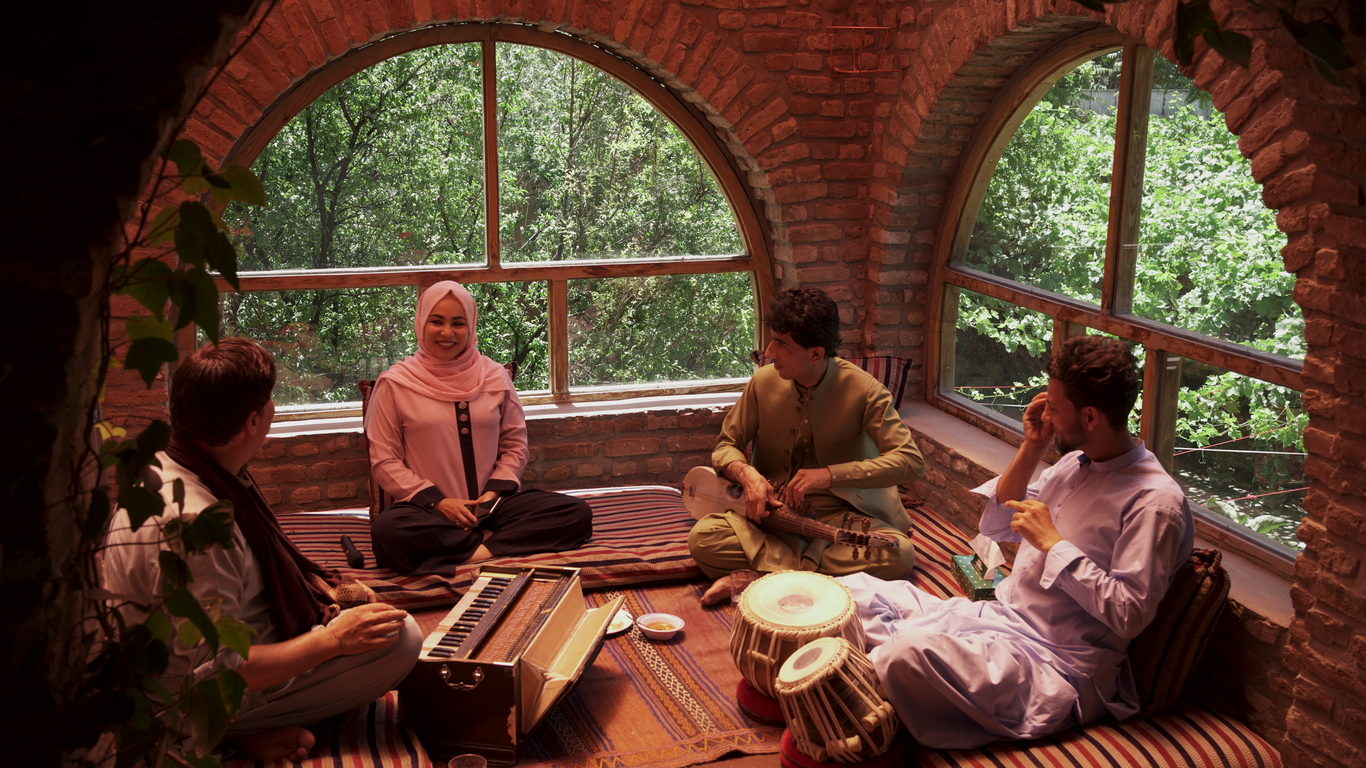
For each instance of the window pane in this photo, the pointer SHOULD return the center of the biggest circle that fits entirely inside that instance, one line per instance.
(1209, 251)
(590, 170)
(324, 341)
(1240, 449)
(385, 169)
(512, 326)
(1044, 217)
(999, 352)
(666, 328)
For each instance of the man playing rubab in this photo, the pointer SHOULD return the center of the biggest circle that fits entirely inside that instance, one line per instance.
(827, 442)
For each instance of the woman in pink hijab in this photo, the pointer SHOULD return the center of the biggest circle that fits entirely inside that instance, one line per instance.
(448, 440)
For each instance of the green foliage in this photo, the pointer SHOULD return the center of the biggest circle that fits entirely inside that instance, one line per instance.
(386, 170)
(1207, 260)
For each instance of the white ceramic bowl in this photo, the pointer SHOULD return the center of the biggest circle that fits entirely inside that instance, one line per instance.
(673, 621)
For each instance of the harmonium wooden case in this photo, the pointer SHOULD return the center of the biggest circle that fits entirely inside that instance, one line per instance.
(514, 646)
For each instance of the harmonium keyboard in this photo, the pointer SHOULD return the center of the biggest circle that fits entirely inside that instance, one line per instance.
(516, 643)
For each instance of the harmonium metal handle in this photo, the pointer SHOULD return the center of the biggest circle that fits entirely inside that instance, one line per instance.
(478, 676)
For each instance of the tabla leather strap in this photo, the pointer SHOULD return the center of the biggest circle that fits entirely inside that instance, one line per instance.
(462, 416)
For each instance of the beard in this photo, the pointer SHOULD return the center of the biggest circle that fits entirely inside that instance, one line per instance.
(1066, 443)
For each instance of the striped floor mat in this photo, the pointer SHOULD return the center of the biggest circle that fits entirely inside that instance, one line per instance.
(367, 737)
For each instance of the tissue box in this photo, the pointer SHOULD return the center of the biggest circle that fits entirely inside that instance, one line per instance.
(967, 571)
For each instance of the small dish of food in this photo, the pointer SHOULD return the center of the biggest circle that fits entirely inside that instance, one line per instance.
(659, 626)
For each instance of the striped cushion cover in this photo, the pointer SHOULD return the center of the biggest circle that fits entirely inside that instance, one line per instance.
(1168, 650)
(891, 371)
(1187, 735)
(366, 737)
(640, 534)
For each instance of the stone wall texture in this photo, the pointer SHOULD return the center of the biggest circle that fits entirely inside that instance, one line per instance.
(852, 172)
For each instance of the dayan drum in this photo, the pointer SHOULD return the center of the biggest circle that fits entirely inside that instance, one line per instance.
(783, 611)
(834, 709)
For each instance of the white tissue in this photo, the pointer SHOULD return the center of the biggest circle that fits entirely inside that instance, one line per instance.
(989, 553)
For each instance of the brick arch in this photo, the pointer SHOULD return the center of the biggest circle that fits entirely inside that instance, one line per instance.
(294, 52)
(1306, 142)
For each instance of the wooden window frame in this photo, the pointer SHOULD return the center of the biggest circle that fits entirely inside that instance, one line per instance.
(1165, 345)
(744, 207)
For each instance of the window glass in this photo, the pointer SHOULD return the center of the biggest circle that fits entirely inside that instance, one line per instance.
(999, 353)
(590, 170)
(1240, 449)
(664, 328)
(324, 341)
(513, 326)
(385, 169)
(1209, 252)
(1043, 219)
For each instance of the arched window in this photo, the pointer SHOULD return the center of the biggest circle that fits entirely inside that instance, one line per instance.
(1111, 198)
(595, 218)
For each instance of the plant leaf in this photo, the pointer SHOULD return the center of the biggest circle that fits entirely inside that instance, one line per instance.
(187, 158)
(212, 527)
(234, 686)
(181, 603)
(146, 281)
(159, 626)
(149, 328)
(147, 355)
(1233, 46)
(1319, 39)
(142, 505)
(96, 516)
(245, 186)
(193, 292)
(1192, 20)
(200, 241)
(209, 717)
(235, 634)
(163, 226)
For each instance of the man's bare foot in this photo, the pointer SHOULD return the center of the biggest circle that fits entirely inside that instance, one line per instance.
(288, 742)
(718, 592)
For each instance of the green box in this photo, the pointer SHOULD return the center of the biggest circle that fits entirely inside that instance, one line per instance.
(967, 571)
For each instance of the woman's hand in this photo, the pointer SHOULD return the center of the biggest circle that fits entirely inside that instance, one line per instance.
(366, 627)
(458, 511)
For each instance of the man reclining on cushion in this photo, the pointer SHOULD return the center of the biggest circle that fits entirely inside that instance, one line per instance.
(308, 660)
(825, 432)
(1103, 532)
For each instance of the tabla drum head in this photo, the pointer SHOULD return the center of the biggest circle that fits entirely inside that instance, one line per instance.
(813, 658)
(796, 600)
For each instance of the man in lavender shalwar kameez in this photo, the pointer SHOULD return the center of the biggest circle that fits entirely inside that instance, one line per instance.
(1101, 533)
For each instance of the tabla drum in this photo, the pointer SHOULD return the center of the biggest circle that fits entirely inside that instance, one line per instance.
(829, 694)
(783, 611)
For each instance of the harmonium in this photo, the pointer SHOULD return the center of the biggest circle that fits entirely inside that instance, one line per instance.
(514, 646)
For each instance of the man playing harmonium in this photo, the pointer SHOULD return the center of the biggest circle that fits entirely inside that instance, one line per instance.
(827, 442)
(1102, 531)
(308, 660)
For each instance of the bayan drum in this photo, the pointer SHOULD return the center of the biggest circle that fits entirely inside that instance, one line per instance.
(783, 611)
(829, 694)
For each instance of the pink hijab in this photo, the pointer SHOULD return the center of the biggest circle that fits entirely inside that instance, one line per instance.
(460, 379)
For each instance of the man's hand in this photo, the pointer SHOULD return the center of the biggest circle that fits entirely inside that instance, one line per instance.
(459, 511)
(1033, 521)
(802, 483)
(1038, 433)
(758, 493)
(367, 627)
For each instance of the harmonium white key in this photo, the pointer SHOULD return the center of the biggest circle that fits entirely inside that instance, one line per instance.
(515, 645)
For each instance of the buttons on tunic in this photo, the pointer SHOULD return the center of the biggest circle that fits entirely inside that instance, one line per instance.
(464, 430)
(464, 417)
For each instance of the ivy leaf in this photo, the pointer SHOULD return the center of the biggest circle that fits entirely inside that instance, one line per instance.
(235, 634)
(181, 603)
(188, 161)
(243, 185)
(233, 686)
(173, 567)
(147, 355)
(1192, 20)
(164, 225)
(96, 516)
(151, 440)
(1233, 46)
(212, 527)
(159, 626)
(209, 716)
(142, 505)
(149, 328)
(200, 240)
(193, 292)
(146, 282)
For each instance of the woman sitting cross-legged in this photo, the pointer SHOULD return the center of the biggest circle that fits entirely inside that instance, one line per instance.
(448, 437)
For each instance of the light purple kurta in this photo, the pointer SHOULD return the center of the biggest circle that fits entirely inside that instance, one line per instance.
(415, 441)
(1051, 650)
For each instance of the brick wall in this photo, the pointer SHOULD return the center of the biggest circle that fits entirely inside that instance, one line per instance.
(320, 471)
(852, 173)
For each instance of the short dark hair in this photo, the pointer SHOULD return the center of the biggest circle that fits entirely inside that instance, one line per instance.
(808, 316)
(1098, 372)
(217, 386)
